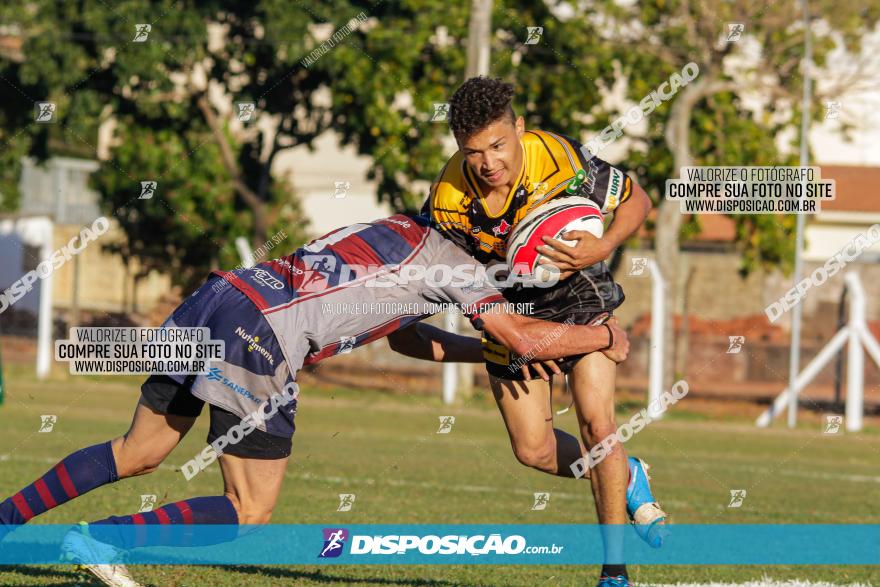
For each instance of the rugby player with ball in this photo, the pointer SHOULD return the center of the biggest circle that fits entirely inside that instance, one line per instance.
(502, 177)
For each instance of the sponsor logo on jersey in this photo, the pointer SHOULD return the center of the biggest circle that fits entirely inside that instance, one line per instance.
(334, 541)
(495, 353)
(540, 189)
(592, 174)
(216, 374)
(266, 279)
(402, 223)
(576, 182)
(615, 189)
(254, 345)
(289, 266)
(488, 247)
(501, 228)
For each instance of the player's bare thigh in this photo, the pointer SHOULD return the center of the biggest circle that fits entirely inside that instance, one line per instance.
(252, 485)
(525, 408)
(149, 440)
(592, 382)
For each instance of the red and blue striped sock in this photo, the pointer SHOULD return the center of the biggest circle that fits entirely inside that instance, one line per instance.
(76, 474)
(166, 525)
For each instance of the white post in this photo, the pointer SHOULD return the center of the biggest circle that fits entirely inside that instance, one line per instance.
(479, 48)
(871, 344)
(794, 360)
(44, 320)
(245, 252)
(855, 364)
(655, 367)
(479, 38)
(450, 371)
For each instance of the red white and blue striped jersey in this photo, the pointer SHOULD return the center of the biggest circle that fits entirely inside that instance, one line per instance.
(359, 283)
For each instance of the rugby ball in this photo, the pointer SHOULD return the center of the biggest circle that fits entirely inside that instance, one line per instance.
(550, 219)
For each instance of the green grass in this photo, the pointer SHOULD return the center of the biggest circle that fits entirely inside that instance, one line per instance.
(384, 449)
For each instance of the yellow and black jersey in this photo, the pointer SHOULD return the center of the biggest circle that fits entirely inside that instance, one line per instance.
(553, 166)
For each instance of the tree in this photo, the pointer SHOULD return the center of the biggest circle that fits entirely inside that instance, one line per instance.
(389, 74)
(709, 121)
(16, 136)
(167, 93)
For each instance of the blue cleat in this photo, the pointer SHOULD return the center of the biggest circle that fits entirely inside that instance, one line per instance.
(618, 581)
(644, 511)
(102, 561)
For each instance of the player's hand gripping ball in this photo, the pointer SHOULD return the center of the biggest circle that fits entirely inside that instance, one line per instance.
(552, 219)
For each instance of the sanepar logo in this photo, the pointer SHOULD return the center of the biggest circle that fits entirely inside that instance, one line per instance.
(216, 374)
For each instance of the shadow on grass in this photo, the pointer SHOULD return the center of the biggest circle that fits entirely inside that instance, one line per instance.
(321, 576)
(69, 578)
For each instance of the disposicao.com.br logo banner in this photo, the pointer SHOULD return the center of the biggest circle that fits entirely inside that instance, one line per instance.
(383, 544)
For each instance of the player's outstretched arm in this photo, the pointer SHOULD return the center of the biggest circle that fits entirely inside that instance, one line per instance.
(423, 341)
(537, 339)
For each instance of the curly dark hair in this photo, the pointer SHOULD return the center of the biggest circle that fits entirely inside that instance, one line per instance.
(479, 102)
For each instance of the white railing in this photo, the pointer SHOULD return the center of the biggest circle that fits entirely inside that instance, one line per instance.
(856, 335)
(450, 370)
(245, 252)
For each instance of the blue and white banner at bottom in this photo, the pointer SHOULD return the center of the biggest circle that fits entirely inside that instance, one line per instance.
(384, 544)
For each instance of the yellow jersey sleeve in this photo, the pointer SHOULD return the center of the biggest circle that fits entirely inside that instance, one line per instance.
(572, 170)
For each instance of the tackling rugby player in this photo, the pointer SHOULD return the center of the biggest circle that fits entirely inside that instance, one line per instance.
(273, 319)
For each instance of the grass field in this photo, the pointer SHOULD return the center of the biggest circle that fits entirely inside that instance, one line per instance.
(384, 448)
